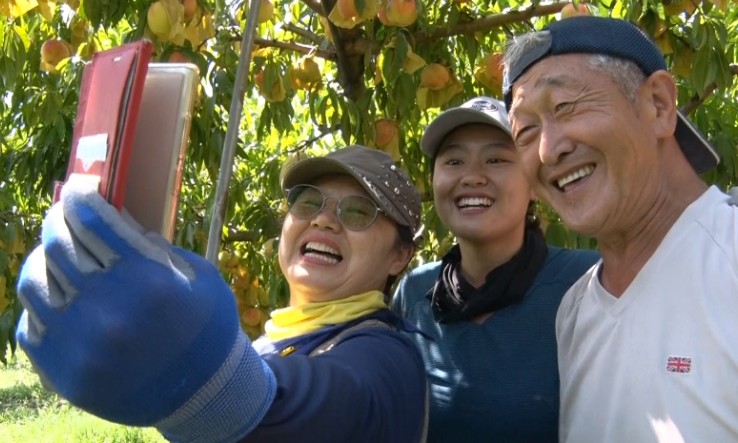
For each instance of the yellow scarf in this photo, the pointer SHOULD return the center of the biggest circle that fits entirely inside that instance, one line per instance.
(298, 320)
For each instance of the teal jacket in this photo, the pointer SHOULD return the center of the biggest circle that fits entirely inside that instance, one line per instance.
(496, 381)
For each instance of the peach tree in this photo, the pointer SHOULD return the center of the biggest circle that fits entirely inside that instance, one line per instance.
(323, 74)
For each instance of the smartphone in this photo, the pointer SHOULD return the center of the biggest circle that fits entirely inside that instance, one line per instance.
(109, 101)
(161, 136)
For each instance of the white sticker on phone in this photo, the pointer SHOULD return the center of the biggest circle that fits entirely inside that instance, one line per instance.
(92, 148)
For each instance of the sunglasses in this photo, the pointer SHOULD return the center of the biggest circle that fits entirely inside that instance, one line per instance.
(354, 212)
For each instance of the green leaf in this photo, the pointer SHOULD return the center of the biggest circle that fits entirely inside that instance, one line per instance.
(556, 234)
(23, 36)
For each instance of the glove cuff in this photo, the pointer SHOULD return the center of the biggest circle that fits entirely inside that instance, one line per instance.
(228, 406)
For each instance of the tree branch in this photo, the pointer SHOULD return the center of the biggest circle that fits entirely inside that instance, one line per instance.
(297, 47)
(312, 140)
(271, 228)
(304, 33)
(360, 46)
(488, 22)
(240, 236)
(357, 45)
(698, 99)
(350, 66)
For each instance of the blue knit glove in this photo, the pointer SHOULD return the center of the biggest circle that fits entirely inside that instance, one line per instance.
(136, 331)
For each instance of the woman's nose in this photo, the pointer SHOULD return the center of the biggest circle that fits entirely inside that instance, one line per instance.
(327, 218)
(474, 176)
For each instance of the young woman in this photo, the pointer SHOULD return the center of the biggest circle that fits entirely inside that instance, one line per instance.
(488, 307)
(137, 331)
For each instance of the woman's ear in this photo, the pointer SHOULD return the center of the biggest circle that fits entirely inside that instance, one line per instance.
(401, 258)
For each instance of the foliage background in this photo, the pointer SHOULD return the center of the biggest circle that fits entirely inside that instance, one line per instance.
(367, 73)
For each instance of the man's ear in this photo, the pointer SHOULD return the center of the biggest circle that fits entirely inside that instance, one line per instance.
(661, 95)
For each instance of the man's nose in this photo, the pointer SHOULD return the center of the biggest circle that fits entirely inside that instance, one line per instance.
(553, 144)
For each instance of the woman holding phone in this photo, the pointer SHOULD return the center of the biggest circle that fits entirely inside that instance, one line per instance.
(137, 331)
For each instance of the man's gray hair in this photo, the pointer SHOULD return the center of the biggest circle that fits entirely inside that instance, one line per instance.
(625, 73)
(522, 44)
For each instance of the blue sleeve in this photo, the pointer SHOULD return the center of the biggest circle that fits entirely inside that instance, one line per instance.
(369, 388)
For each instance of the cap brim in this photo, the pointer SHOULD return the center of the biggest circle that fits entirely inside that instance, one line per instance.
(450, 120)
(310, 169)
(698, 151)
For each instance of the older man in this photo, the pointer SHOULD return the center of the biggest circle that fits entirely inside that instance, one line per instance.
(647, 339)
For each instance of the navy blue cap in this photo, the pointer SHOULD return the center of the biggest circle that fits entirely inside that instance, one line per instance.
(617, 38)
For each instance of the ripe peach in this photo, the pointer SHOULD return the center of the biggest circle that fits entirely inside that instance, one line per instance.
(489, 71)
(266, 11)
(572, 11)
(190, 7)
(382, 14)
(54, 51)
(385, 130)
(493, 70)
(401, 13)
(435, 76)
(277, 92)
(305, 73)
(347, 8)
(259, 79)
(157, 18)
(251, 316)
(177, 57)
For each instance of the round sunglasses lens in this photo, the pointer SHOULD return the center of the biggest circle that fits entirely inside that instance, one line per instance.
(305, 201)
(356, 212)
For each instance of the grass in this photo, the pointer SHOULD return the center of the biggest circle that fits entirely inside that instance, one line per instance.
(31, 414)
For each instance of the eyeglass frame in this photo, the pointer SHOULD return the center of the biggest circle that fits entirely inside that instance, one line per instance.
(377, 209)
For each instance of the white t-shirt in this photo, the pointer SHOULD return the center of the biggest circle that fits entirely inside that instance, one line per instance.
(660, 363)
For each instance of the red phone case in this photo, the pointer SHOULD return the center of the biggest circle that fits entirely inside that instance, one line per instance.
(104, 129)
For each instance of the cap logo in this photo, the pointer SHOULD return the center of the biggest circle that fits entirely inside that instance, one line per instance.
(483, 105)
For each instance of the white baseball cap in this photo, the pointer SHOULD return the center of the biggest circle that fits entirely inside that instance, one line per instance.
(484, 110)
